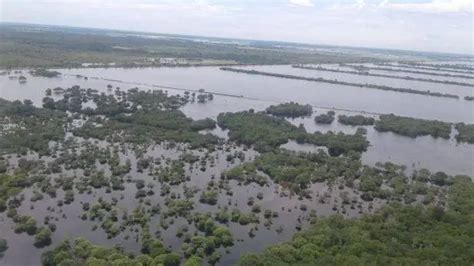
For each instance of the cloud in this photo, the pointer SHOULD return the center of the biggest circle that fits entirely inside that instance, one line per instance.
(305, 3)
(399, 24)
(435, 6)
(360, 3)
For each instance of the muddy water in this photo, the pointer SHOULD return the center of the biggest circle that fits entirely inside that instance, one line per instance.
(70, 225)
(434, 154)
(273, 89)
(398, 83)
(259, 92)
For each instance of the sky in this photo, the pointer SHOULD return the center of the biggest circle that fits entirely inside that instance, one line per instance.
(422, 25)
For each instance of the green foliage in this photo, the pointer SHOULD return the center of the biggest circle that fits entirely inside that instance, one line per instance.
(83, 252)
(202, 124)
(394, 235)
(194, 261)
(290, 109)
(51, 46)
(209, 197)
(263, 131)
(173, 173)
(337, 143)
(267, 133)
(299, 170)
(31, 128)
(135, 116)
(325, 118)
(356, 120)
(10, 185)
(245, 173)
(43, 237)
(3, 246)
(25, 224)
(465, 133)
(413, 127)
(41, 72)
(179, 207)
(3, 205)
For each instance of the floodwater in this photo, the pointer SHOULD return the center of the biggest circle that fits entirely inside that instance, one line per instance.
(70, 225)
(392, 82)
(258, 92)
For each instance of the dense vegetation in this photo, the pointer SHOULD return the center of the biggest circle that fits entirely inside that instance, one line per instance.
(356, 120)
(267, 133)
(335, 81)
(27, 127)
(49, 46)
(395, 235)
(413, 127)
(298, 170)
(133, 184)
(135, 116)
(263, 131)
(290, 109)
(465, 133)
(41, 72)
(82, 252)
(327, 118)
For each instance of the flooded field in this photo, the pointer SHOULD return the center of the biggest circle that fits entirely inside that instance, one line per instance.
(259, 92)
(280, 213)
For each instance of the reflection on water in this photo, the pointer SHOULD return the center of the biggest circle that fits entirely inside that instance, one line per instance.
(427, 152)
(325, 201)
(282, 90)
(399, 83)
(434, 154)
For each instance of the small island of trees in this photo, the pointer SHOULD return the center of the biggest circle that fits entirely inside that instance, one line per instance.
(413, 127)
(356, 120)
(290, 109)
(465, 133)
(325, 118)
(42, 72)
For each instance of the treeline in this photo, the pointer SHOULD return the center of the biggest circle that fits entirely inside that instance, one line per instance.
(331, 81)
(326, 118)
(366, 73)
(135, 116)
(68, 47)
(465, 133)
(290, 109)
(82, 252)
(267, 133)
(394, 235)
(42, 72)
(424, 67)
(356, 120)
(298, 170)
(439, 66)
(413, 127)
(365, 68)
(25, 126)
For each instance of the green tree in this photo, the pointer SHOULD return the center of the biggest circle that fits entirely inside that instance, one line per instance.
(43, 237)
